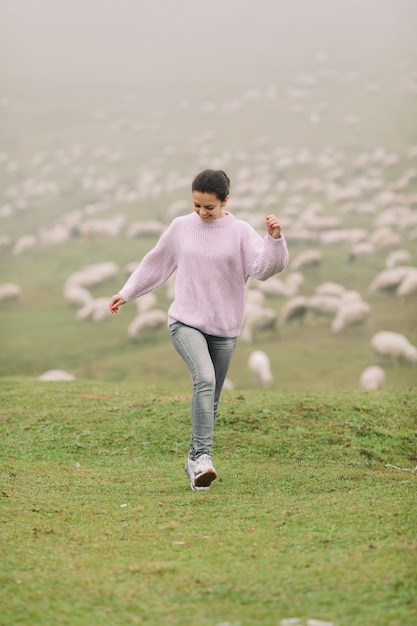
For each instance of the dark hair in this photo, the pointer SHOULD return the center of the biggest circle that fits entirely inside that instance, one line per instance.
(212, 181)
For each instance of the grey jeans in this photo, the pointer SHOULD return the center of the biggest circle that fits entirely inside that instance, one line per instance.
(208, 359)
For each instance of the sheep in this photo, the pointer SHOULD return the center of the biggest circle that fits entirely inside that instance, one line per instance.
(397, 257)
(307, 258)
(330, 289)
(274, 286)
(146, 322)
(26, 242)
(372, 378)
(53, 375)
(395, 346)
(74, 294)
(93, 275)
(408, 285)
(254, 297)
(96, 309)
(9, 291)
(384, 238)
(260, 366)
(293, 309)
(152, 228)
(362, 248)
(256, 319)
(388, 279)
(349, 314)
(323, 304)
(146, 302)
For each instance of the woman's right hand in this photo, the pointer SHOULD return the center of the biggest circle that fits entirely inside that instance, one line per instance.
(115, 302)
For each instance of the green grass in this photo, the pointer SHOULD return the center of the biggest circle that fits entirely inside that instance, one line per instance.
(307, 518)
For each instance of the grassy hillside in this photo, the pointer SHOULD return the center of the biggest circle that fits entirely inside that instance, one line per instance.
(312, 516)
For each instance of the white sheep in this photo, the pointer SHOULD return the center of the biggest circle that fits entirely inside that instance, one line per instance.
(151, 228)
(53, 375)
(93, 275)
(397, 257)
(352, 313)
(362, 248)
(9, 291)
(293, 309)
(146, 322)
(330, 289)
(260, 366)
(254, 297)
(408, 285)
(255, 319)
(74, 294)
(287, 288)
(307, 258)
(146, 302)
(25, 242)
(96, 309)
(388, 279)
(323, 304)
(372, 378)
(395, 346)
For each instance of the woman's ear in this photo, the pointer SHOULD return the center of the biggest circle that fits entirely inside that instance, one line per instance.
(225, 201)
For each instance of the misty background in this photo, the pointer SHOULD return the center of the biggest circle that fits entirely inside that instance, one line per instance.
(72, 50)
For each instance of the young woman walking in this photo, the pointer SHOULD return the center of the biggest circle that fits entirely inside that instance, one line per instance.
(213, 255)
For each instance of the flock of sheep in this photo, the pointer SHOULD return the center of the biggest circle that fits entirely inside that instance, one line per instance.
(318, 193)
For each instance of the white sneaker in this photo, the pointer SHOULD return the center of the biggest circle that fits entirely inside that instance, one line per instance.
(200, 472)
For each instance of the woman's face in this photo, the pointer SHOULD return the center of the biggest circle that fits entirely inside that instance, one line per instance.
(207, 206)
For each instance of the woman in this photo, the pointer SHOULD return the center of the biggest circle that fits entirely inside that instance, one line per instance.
(213, 254)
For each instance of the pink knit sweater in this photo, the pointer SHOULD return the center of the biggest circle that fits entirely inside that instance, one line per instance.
(213, 261)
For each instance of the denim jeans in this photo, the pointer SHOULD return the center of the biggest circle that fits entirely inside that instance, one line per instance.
(208, 359)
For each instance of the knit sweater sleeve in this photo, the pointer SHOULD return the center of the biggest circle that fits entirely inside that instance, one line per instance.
(154, 269)
(263, 257)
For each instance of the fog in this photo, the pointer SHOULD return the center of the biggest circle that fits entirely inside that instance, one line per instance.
(165, 50)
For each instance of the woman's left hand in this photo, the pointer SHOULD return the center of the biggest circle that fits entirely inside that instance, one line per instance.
(273, 225)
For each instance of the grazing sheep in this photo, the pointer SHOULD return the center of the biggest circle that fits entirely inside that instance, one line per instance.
(52, 375)
(362, 248)
(408, 285)
(74, 294)
(323, 304)
(372, 378)
(331, 289)
(395, 346)
(287, 288)
(9, 291)
(349, 314)
(307, 258)
(93, 275)
(146, 322)
(256, 319)
(152, 228)
(26, 242)
(293, 309)
(260, 366)
(397, 257)
(146, 302)
(254, 297)
(388, 279)
(96, 309)
(385, 238)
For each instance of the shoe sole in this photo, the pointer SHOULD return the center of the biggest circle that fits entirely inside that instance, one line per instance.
(200, 487)
(205, 479)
